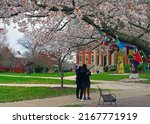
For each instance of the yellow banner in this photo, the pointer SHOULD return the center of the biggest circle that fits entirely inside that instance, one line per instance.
(131, 52)
(120, 64)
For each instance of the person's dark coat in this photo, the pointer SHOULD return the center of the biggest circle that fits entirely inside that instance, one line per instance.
(86, 74)
(79, 78)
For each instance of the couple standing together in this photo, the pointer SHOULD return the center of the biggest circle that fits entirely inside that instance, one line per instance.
(83, 83)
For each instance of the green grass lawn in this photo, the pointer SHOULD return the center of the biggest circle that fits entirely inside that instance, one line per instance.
(25, 80)
(11, 94)
(108, 77)
(32, 80)
(41, 74)
(37, 80)
(146, 76)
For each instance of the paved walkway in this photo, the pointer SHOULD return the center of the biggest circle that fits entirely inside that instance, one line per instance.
(128, 94)
(124, 99)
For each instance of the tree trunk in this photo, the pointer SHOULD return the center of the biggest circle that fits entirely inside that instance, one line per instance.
(62, 78)
(61, 71)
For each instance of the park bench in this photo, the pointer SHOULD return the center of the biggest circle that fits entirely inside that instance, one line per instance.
(107, 97)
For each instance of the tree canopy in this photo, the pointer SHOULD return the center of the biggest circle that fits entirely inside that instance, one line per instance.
(128, 20)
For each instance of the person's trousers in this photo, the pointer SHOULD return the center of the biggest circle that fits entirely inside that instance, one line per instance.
(79, 92)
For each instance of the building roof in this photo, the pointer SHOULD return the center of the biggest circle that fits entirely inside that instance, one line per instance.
(5, 53)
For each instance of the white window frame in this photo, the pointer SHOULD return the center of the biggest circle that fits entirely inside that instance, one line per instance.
(80, 58)
(86, 58)
(92, 58)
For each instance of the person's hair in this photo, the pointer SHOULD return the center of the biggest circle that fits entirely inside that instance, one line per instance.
(84, 66)
(79, 69)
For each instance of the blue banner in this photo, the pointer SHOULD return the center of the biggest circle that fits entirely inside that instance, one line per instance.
(100, 32)
(120, 44)
(107, 38)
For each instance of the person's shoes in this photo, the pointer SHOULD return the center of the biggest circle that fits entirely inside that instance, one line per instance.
(84, 98)
(81, 100)
(77, 99)
(88, 98)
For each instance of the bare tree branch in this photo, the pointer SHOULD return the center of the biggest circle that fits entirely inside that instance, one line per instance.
(138, 26)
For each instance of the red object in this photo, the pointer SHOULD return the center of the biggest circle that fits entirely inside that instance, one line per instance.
(18, 70)
(148, 57)
(2, 68)
(113, 45)
(105, 43)
(138, 57)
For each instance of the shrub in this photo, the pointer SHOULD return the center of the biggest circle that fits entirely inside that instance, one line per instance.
(112, 68)
(39, 68)
(105, 68)
(127, 68)
(140, 67)
(1, 71)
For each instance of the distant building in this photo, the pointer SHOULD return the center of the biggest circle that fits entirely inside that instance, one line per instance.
(9, 62)
(98, 58)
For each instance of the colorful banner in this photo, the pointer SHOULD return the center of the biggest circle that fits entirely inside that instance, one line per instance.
(129, 49)
(137, 56)
(148, 57)
(100, 32)
(105, 43)
(130, 52)
(119, 44)
(107, 38)
(120, 64)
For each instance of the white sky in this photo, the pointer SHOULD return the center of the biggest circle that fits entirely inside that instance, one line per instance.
(12, 37)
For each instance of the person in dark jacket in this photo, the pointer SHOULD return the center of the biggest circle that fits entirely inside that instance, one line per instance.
(86, 82)
(79, 82)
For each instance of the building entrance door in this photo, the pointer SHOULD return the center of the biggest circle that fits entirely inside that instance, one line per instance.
(97, 60)
(105, 60)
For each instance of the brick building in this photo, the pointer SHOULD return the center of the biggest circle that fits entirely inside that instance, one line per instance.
(98, 58)
(9, 62)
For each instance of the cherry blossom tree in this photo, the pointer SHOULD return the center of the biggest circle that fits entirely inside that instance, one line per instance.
(59, 44)
(32, 47)
(34, 51)
(127, 20)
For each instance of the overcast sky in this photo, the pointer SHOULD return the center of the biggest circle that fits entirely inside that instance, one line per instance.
(13, 35)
